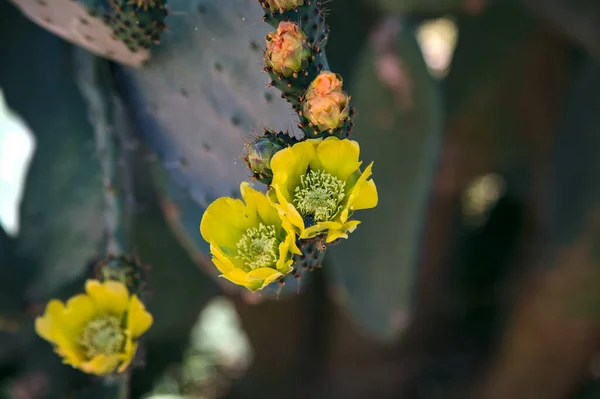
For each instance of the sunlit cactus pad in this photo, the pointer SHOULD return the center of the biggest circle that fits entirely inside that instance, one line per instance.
(73, 22)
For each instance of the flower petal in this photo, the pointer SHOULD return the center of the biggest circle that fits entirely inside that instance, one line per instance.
(240, 277)
(128, 355)
(225, 221)
(256, 200)
(79, 310)
(101, 364)
(289, 211)
(46, 325)
(339, 157)
(109, 297)
(320, 227)
(348, 227)
(139, 319)
(368, 197)
(291, 163)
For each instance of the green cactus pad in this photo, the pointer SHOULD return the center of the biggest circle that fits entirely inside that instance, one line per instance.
(138, 23)
(401, 132)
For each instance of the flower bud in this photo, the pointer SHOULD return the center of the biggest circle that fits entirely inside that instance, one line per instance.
(283, 5)
(327, 112)
(287, 49)
(326, 82)
(260, 153)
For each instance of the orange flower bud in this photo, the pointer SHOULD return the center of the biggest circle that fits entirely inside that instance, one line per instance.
(287, 49)
(283, 5)
(328, 111)
(326, 82)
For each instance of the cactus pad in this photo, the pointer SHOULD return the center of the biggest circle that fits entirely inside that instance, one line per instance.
(73, 22)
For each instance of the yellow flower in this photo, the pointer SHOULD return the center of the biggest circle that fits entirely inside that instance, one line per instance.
(287, 50)
(326, 106)
(251, 245)
(96, 332)
(318, 185)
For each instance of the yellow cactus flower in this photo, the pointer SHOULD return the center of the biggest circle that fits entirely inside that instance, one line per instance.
(251, 244)
(317, 185)
(287, 49)
(326, 106)
(96, 332)
(283, 5)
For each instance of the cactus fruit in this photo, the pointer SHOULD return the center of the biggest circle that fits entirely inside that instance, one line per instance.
(138, 23)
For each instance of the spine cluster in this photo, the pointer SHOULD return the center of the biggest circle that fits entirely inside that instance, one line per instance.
(137, 23)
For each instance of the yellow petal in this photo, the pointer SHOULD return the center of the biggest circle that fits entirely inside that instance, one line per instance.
(223, 262)
(262, 277)
(288, 211)
(256, 200)
(291, 236)
(239, 277)
(128, 355)
(101, 364)
(79, 310)
(320, 227)
(291, 163)
(355, 192)
(367, 197)
(348, 227)
(63, 331)
(139, 319)
(109, 297)
(225, 221)
(339, 157)
(333, 235)
(263, 273)
(44, 324)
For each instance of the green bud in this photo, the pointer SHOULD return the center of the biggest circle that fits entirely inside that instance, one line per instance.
(260, 153)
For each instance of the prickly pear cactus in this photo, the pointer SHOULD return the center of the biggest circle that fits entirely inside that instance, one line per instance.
(295, 61)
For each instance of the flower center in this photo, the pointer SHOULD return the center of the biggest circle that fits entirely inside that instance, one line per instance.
(319, 195)
(259, 247)
(102, 336)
